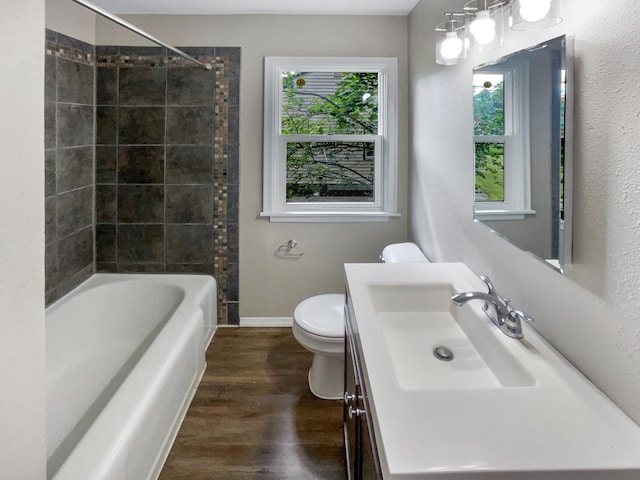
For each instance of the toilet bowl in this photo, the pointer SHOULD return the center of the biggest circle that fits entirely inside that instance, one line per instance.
(318, 325)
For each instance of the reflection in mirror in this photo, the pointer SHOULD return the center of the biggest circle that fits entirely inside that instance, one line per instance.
(522, 137)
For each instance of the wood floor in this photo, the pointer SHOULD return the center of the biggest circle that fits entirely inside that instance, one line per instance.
(253, 416)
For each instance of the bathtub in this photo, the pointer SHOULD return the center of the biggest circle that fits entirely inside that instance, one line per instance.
(125, 353)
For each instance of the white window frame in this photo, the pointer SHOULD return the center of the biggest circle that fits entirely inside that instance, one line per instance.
(274, 203)
(517, 151)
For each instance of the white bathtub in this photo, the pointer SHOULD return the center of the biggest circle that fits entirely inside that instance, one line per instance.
(125, 353)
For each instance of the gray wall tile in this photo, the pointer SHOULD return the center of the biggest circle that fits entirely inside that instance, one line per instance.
(74, 211)
(51, 271)
(141, 164)
(106, 125)
(234, 125)
(190, 125)
(190, 244)
(208, 269)
(75, 253)
(232, 282)
(50, 125)
(141, 243)
(233, 200)
(233, 313)
(75, 82)
(233, 249)
(189, 86)
(107, 267)
(140, 204)
(141, 125)
(75, 125)
(136, 267)
(74, 168)
(142, 86)
(50, 83)
(189, 164)
(106, 86)
(50, 172)
(105, 243)
(106, 164)
(189, 204)
(106, 204)
(233, 165)
(51, 223)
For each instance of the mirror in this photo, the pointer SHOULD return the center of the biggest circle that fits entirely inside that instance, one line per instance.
(523, 149)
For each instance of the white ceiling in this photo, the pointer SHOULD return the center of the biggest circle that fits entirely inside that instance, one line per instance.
(287, 7)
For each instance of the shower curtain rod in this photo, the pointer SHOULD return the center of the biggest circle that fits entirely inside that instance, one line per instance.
(122, 22)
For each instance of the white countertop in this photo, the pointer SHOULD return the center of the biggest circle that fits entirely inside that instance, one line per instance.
(560, 423)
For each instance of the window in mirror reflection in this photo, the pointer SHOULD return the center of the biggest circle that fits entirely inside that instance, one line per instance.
(488, 125)
(489, 172)
(501, 126)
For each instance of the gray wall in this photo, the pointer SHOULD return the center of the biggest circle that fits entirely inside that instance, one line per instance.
(69, 178)
(589, 314)
(271, 286)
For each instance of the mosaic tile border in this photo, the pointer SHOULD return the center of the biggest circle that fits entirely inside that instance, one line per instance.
(62, 46)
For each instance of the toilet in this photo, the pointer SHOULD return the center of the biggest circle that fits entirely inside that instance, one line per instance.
(318, 325)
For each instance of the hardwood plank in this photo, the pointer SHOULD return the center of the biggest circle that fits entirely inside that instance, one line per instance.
(253, 416)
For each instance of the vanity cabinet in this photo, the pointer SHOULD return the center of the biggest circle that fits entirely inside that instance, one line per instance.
(359, 438)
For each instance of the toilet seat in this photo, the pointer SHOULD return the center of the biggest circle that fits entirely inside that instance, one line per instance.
(322, 315)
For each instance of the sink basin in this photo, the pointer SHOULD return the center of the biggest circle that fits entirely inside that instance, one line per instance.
(416, 319)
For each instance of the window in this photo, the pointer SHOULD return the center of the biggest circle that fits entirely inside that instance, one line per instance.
(501, 138)
(330, 139)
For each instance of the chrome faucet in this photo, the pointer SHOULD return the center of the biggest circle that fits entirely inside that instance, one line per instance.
(507, 319)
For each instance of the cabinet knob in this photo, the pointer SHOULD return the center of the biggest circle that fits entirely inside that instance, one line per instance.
(349, 397)
(355, 412)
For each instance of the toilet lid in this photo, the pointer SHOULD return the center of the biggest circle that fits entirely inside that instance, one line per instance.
(322, 315)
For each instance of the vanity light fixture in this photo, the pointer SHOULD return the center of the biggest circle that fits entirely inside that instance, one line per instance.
(451, 39)
(535, 14)
(480, 26)
(485, 22)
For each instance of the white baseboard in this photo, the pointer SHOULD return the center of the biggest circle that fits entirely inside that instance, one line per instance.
(266, 321)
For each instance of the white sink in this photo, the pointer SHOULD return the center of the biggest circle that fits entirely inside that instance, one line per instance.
(417, 319)
(501, 408)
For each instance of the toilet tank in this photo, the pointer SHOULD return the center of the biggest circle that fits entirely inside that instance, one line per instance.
(405, 252)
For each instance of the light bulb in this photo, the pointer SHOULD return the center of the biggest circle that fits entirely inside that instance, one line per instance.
(534, 10)
(483, 28)
(451, 46)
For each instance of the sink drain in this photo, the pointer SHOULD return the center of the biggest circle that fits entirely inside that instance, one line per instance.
(443, 353)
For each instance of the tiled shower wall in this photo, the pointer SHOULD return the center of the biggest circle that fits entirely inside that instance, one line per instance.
(166, 169)
(167, 165)
(69, 175)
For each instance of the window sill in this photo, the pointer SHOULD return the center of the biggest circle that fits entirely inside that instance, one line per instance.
(328, 217)
(489, 215)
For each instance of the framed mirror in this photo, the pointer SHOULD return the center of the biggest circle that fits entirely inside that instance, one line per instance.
(522, 106)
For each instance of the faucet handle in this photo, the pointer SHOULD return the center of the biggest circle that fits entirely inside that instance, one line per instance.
(523, 316)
